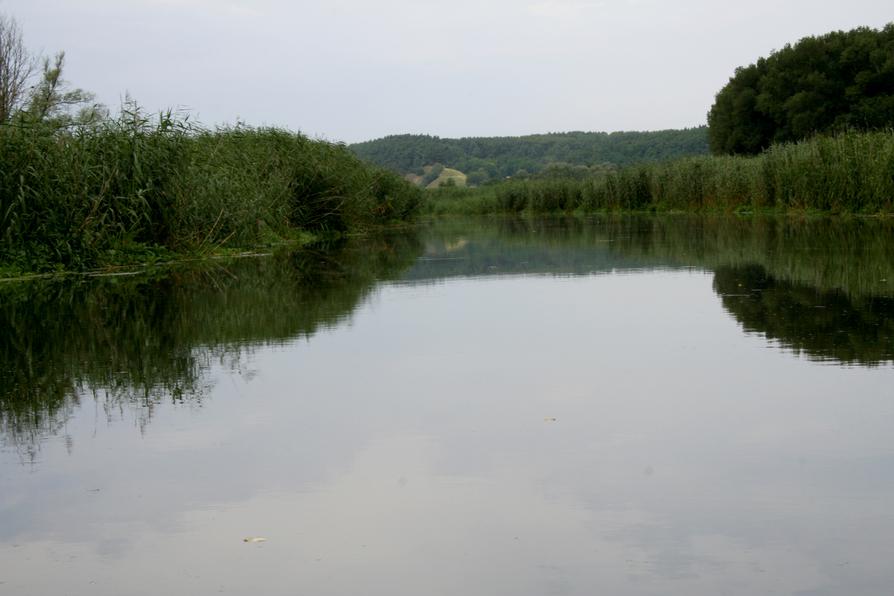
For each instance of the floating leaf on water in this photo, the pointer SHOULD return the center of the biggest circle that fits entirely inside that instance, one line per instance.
(254, 539)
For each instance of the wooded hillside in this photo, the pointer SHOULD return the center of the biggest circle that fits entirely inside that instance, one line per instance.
(487, 158)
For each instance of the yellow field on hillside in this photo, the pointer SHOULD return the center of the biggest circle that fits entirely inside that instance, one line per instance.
(448, 174)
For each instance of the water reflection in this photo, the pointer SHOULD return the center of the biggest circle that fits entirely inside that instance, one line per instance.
(819, 286)
(853, 256)
(141, 340)
(823, 324)
(528, 407)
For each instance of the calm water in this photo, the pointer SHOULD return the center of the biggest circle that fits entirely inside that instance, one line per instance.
(621, 406)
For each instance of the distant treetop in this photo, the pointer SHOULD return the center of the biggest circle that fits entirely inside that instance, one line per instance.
(492, 158)
(838, 81)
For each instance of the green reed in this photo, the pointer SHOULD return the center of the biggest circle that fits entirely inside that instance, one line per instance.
(847, 173)
(81, 198)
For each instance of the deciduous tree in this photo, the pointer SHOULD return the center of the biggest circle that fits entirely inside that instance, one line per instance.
(16, 68)
(838, 81)
(52, 101)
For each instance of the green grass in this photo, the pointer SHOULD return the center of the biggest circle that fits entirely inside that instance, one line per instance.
(135, 189)
(847, 173)
(455, 200)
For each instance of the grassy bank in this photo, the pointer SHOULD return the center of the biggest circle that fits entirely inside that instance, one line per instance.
(136, 188)
(848, 173)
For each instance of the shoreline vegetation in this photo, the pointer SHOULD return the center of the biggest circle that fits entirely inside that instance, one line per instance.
(82, 191)
(848, 173)
(136, 190)
(807, 128)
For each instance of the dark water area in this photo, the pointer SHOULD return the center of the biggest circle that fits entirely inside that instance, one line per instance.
(618, 405)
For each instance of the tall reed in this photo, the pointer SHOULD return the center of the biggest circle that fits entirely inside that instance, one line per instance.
(77, 198)
(848, 173)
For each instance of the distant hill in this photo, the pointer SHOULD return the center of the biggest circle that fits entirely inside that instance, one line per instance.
(487, 158)
(435, 176)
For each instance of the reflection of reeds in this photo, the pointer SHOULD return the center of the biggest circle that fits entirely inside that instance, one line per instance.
(854, 256)
(78, 198)
(822, 286)
(134, 342)
(847, 173)
(824, 325)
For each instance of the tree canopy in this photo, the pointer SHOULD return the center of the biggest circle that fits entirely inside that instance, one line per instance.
(838, 81)
(489, 158)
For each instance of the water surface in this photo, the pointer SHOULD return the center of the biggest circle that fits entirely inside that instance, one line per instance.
(637, 406)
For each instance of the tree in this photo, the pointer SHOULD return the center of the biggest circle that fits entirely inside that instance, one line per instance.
(838, 81)
(503, 156)
(16, 67)
(51, 101)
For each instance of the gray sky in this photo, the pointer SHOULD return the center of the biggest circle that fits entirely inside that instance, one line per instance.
(352, 70)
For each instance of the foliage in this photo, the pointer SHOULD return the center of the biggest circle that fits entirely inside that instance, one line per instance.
(455, 200)
(847, 173)
(832, 83)
(494, 158)
(74, 197)
(79, 189)
(49, 100)
(52, 103)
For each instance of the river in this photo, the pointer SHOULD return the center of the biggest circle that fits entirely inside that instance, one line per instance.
(614, 405)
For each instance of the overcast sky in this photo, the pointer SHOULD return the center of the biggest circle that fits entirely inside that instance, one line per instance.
(353, 70)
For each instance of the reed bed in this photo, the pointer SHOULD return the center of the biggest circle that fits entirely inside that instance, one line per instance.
(80, 198)
(848, 173)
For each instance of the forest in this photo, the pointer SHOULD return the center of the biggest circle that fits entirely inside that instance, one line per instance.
(841, 81)
(485, 159)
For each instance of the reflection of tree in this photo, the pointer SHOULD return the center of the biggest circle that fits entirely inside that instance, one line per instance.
(825, 325)
(133, 342)
(854, 256)
(831, 280)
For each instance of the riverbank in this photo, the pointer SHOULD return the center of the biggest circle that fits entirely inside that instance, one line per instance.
(136, 190)
(847, 173)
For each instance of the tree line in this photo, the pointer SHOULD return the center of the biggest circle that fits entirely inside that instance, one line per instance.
(840, 81)
(494, 158)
